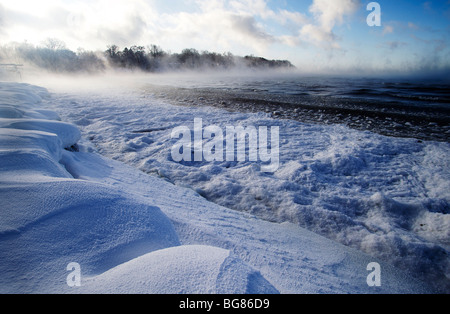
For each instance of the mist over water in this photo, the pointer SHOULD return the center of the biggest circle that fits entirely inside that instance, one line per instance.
(399, 107)
(406, 106)
(412, 105)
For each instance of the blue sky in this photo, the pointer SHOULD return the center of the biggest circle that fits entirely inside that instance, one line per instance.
(316, 35)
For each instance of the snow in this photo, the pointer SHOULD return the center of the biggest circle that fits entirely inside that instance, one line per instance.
(203, 269)
(132, 232)
(387, 197)
(66, 133)
(47, 217)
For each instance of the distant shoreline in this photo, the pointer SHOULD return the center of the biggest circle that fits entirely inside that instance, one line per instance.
(56, 58)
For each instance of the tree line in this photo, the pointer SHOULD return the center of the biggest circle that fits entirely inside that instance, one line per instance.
(55, 57)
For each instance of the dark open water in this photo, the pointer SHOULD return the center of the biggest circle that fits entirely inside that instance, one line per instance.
(401, 108)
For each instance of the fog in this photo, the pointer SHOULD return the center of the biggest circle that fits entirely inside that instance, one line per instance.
(54, 66)
(53, 57)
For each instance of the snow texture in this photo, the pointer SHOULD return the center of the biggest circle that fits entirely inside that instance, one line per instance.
(49, 219)
(183, 270)
(388, 197)
(62, 202)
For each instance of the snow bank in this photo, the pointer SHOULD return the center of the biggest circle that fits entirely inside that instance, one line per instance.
(182, 270)
(68, 134)
(385, 196)
(50, 218)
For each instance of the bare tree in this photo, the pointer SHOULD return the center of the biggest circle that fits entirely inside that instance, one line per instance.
(54, 44)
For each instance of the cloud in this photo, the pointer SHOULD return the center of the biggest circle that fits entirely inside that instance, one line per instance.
(296, 18)
(393, 45)
(413, 26)
(260, 9)
(213, 29)
(252, 7)
(131, 32)
(318, 36)
(79, 23)
(2, 18)
(239, 26)
(203, 24)
(247, 26)
(388, 29)
(437, 45)
(122, 23)
(327, 14)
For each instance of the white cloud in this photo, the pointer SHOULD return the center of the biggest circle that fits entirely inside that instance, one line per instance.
(247, 26)
(327, 14)
(214, 28)
(296, 18)
(331, 12)
(90, 24)
(252, 7)
(239, 26)
(2, 18)
(318, 36)
(211, 24)
(388, 29)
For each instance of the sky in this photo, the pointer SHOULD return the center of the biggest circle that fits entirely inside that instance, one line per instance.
(315, 35)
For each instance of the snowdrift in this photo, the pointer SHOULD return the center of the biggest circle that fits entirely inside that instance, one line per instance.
(183, 270)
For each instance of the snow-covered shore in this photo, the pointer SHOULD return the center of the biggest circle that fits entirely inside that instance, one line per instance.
(135, 233)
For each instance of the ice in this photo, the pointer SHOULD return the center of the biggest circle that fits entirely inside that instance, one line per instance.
(62, 206)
